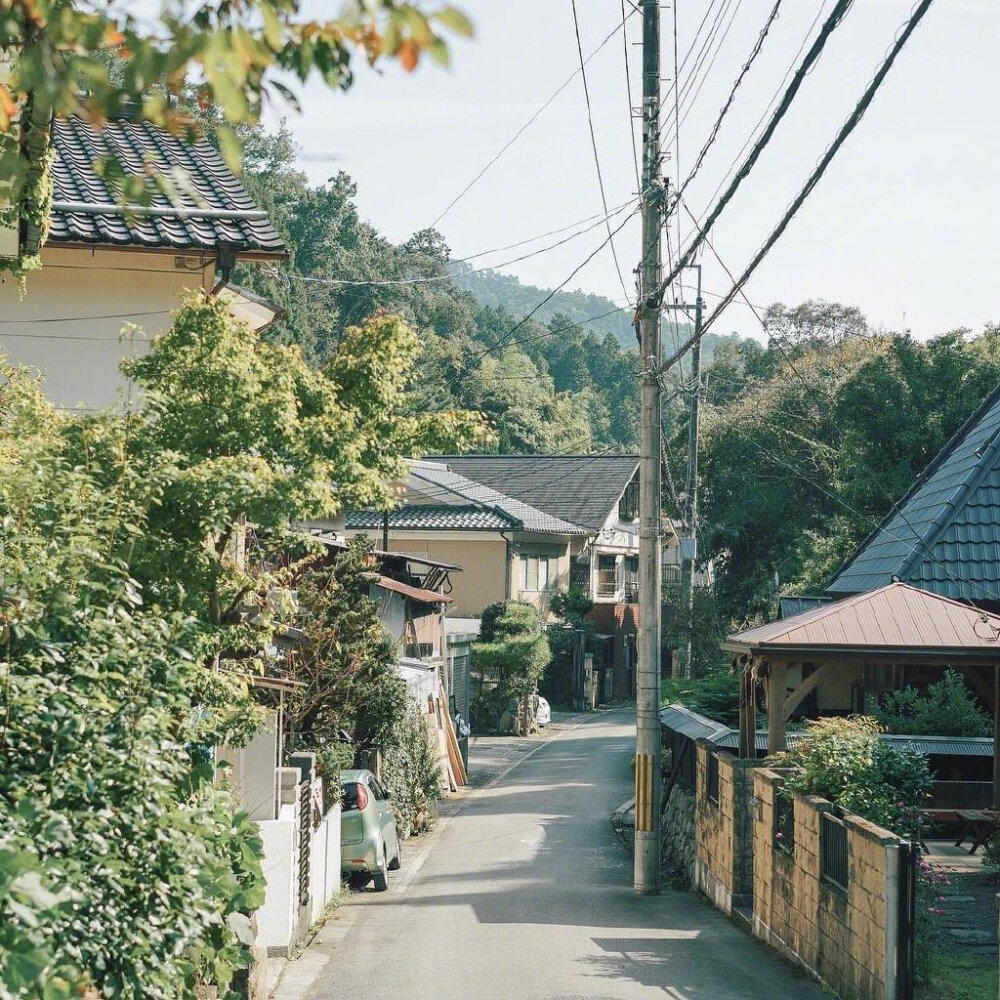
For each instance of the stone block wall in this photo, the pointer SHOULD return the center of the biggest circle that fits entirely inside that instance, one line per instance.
(843, 937)
(723, 863)
(678, 837)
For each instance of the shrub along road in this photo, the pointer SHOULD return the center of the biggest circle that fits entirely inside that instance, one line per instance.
(527, 895)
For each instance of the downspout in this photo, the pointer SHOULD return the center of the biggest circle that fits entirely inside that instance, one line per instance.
(506, 563)
(225, 262)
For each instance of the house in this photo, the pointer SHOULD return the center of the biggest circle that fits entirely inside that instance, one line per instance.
(105, 266)
(524, 527)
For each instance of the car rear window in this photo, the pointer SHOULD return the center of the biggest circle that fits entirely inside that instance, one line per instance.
(350, 799)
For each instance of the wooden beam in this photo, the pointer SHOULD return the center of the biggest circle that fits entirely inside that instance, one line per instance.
(776, 706)
(793, 700)
(980, 685)
(996, 737)
(748, 708)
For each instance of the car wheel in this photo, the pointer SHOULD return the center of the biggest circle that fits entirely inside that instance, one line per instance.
(395, 863)
(382, 875)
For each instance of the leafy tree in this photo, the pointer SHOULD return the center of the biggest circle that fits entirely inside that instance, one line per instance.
(716, 695)
(348, 663)
(512, 652)
(122, 867)
(948, 708)
(233, 427)
(807, 444)
(845, 761)
(99, 61)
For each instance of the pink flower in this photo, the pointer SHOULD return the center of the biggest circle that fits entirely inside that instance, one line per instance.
(779, 836)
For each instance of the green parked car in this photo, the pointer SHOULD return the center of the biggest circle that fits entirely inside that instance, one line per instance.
(369, 844)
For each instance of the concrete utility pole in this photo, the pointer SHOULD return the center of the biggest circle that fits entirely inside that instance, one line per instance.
(647, 729)
(690, 541)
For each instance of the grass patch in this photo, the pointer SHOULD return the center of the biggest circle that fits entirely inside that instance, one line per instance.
(965, 976)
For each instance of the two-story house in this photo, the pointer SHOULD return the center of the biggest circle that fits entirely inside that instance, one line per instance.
(525, 526)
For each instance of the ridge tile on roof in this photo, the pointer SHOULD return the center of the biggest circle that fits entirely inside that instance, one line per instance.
(581, 489)
(78, 145)
(528, 518)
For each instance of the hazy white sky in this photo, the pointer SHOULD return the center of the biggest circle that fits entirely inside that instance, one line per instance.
(904, 224)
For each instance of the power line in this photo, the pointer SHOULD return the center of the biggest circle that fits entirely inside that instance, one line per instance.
(631, 106)
(830, 25)
(517, 135)
(713, 135)
(448, 276)
(846, 129)
(770, 104)
(593, 143)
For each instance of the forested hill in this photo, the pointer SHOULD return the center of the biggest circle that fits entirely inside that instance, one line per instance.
(562, 379)
(492, 288)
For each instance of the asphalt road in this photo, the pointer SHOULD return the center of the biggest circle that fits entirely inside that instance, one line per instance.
(526, 895)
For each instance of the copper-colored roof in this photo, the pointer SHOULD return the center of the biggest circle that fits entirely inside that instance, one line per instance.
(897, 619)
(416, 593)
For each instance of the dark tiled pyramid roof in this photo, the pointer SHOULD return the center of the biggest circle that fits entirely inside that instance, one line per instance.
(944, 535)
(431, 517)
(582, 489)
(136, 145)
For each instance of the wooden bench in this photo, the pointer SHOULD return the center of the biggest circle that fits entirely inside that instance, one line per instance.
(978, 825)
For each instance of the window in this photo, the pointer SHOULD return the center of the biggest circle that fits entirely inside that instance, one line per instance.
(579, 575)
(628, 506)
(631, 579)
(539, 573)
(607, 576)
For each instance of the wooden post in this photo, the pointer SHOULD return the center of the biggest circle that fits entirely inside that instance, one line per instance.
(748, 710)
(776, 706)
(996, 737)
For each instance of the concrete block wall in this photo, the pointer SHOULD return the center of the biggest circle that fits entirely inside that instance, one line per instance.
(844, 938)
(723, 864)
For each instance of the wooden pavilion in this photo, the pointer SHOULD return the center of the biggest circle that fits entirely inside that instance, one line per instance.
(849, 644)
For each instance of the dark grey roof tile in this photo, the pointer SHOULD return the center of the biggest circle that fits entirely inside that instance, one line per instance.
(78, 146)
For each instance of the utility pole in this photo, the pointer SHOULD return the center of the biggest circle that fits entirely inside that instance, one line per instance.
(690, 541)
(648, 780)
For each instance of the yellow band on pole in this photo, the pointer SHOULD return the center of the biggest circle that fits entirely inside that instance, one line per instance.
(644, 792)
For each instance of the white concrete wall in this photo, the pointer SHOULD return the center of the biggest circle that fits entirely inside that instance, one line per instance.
(278, 917)
(324, 862)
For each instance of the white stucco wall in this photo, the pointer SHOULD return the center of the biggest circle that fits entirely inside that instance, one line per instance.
(277, 918)
(69, 322)
(251, 772)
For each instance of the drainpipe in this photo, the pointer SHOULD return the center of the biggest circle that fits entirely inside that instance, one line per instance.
(507, 566)
(225, 261)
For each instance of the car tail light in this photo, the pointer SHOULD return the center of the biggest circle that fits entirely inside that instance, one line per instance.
(362, 796)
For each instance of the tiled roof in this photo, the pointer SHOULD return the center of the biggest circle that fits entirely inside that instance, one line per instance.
(432, 517)
(85, 209)
(582, 489)
(894, 618)
(446, 482)
(944, 535)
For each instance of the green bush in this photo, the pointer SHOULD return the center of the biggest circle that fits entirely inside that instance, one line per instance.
(947, 709)
(716, 695)
(845, 762)
(411, 771)
(513, 651)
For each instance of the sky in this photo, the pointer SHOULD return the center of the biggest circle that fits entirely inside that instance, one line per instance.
(903, 224)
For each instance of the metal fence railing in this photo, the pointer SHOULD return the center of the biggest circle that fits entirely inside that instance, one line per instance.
(833, 851)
